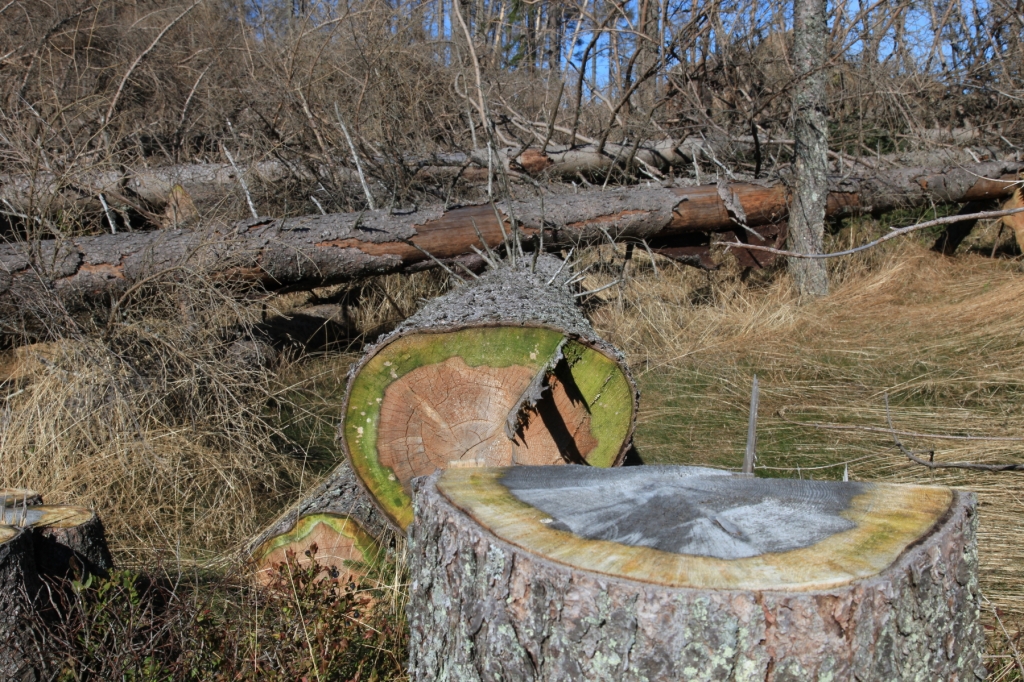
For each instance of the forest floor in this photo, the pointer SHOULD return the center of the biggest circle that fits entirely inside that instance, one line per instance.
(941, 339)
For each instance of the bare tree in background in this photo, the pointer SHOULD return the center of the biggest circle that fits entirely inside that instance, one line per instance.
(810, 191)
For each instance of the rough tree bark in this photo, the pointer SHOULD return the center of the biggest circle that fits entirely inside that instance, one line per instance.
(19, 583)
(681, 573)
(318, 250)
(39, 542)
(503, 371)
(810, 191)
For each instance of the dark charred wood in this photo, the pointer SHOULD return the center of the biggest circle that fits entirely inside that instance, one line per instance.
(955, 233)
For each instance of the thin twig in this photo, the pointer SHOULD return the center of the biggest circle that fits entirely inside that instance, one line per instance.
(597, 290)
(241, 181)
(559, 270)
(110, 215)
(355, 157)
(932, 464)
(1009, 640)
(436, 261)
(983, 215)
(492, 257)
(138, 60)
(751, 454)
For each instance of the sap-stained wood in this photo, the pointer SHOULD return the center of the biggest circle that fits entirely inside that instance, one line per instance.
(336, 542)
(316, 250)
(683, 573)
(453, 386)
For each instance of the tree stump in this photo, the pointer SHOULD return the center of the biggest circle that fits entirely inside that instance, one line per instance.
(503, 371)
(342, 547)
(66, 538)
(684, 573)
(19, 584)
(19, 497)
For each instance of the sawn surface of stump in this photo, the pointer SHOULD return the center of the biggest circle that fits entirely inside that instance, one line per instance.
(684, 573)
(503, 371)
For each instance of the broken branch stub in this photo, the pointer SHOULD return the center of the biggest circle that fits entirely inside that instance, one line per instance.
(686, 573)
(503, 371)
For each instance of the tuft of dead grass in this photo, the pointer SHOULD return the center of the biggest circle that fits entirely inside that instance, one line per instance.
(156, 417)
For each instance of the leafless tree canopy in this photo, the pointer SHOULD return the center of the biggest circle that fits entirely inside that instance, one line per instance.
(103, 86)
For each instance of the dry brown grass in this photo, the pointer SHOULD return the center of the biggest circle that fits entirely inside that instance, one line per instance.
(943, 338)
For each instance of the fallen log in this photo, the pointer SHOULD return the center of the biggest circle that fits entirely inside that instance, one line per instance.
(504, 371)
(338, 517)
(683, 573)
(157, 188)
(317, 250)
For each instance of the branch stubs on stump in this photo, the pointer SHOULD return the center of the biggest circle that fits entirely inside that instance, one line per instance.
(784, 580)
(508, 354)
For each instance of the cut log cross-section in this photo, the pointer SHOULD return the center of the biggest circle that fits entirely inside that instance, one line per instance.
(503, 371)
(684, 573)
(341, 545)
(338, 517)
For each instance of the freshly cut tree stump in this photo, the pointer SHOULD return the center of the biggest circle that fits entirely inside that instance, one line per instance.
(503, 371)
(342, 546)
(18, 497)
(341, 495)
(19, 584)
(66, 538)
(684, 573)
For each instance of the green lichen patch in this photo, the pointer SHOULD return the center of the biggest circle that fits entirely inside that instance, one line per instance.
(601, 382)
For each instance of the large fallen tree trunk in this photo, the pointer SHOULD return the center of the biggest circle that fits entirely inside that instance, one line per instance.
(317, 250)
(204, 185)
(503, 371)
(682, 573)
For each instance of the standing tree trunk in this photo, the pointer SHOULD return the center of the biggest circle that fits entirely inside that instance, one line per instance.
(810, 195)
(684, 573)
(503, 371)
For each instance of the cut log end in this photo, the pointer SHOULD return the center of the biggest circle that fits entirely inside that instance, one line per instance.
(686, 573)
(336, 542)
(18, 497)
(428, 401)
(700, 528)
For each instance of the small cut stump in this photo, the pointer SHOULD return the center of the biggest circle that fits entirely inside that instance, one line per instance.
(503, 371)
(38, 542)
(685, 573)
